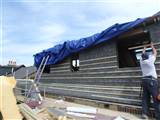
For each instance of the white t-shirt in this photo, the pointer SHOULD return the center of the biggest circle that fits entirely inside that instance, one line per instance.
(148, 67)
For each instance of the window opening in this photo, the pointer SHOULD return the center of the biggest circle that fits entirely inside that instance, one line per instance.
(130, 49)
(46, 69)
(75, 62)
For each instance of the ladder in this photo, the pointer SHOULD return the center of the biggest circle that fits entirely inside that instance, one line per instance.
(34, 87)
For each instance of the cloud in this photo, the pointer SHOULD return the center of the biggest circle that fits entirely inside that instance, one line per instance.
(22, 51)
(33, 25)
(52, 31)
(15, 51)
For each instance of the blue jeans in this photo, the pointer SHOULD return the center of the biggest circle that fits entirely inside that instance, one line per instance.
(150, 87)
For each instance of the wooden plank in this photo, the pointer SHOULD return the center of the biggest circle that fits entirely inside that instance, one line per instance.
(140, 46)
(28, 112)
(58, 114)
(8, 106)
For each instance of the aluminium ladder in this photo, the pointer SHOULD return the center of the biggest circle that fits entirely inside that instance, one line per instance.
(34, 87)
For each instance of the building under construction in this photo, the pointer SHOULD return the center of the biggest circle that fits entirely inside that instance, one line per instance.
(103, 68)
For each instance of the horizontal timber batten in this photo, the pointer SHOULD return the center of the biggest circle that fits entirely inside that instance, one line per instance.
(106, 77)
(93, 92)
(104, 102)
(116, 88)
(90, 86)
(99, 58)
(98, 63)
(117, 98)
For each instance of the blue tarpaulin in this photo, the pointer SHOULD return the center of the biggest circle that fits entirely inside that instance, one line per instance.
(61, 51)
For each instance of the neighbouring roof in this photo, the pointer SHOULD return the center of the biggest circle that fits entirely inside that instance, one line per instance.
(61, 51)
(8, 69)
(24, 72)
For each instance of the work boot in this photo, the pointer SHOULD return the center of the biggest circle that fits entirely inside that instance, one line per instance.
(144, 117)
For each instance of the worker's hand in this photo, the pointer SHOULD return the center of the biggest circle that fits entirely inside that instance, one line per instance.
(152, 44)
(158, 97)
(144, 49)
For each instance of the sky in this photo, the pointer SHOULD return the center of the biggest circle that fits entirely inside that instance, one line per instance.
(30, 26)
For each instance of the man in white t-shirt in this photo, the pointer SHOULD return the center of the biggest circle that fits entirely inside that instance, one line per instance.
(149, 83)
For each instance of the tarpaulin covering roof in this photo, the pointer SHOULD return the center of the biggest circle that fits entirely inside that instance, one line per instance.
(61, 51)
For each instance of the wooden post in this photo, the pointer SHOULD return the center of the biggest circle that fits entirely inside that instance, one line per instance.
(44, 93)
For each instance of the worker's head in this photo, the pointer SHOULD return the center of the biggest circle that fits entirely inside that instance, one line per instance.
(145, 56)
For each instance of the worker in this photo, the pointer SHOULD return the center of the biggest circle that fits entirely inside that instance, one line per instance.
(149, 83)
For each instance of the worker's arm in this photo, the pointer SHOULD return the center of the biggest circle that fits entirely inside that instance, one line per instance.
(154, 50)
(144, 50)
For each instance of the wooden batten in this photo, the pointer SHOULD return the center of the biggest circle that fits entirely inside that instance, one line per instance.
(140, 46)
(132, 33)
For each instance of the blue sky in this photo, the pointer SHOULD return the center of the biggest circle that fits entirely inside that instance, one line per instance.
(30, 26)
